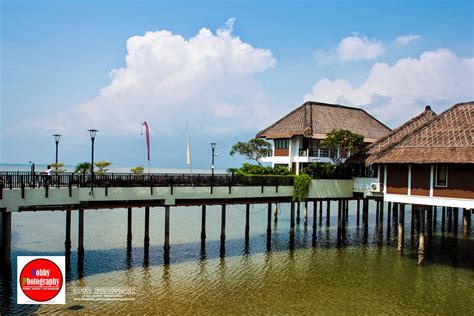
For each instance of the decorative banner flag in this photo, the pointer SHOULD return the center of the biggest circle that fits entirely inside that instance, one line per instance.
(147, 133)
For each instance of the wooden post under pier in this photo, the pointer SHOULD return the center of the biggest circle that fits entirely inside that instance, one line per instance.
(401, 227)
(320, 212)
(129, 226)
(146, 238)
(203, 224)
(6, 233)
(450, 219)
(292, 225)
(443, 219)
(315, 210)
(80, 243)
(389, 219)
(305, 216)
(275, 213)
(455, 220)
(269, 219)
(247, 221)
(298, 208)
(166, 246)
(328, 214)
(67, 243)
(421, 244)
(429, 224)
(466, 219)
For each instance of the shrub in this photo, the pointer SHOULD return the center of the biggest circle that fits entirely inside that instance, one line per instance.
(301, 187)
(319, 170)
(257, 170)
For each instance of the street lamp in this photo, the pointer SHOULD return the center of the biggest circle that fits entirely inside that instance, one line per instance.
(213, 147)
(56, 139)
(92, 132)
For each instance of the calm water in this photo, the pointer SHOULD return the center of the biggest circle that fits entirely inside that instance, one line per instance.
(359, 276)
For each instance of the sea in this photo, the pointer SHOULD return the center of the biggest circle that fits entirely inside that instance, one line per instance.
(356, 276)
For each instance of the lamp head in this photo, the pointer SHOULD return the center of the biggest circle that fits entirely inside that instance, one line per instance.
(57, 137)
(93, 132)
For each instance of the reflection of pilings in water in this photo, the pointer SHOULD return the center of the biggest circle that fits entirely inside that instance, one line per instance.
(421, 244)
(328, 214)
(377, 210)
(292, 225)
(80, 265)
(401, 227)
(223, 214)
(365, 219)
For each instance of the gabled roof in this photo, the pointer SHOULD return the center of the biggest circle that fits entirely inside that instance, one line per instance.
(315, 120)
(447, 138)
(386, 142)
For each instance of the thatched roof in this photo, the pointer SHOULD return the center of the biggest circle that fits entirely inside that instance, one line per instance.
(315, 120)
(447, 138)
(374, 150)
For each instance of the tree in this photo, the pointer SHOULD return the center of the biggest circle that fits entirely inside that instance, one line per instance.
(137, 170)
(343, 139)
(102, 165)
(83, 168)
(254, 149)
(57, 167)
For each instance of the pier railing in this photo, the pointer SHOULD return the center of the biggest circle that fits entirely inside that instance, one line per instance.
(19, 179)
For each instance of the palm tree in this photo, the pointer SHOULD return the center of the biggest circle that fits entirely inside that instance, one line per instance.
(83, 168)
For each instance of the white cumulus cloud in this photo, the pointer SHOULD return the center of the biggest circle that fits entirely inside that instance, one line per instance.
(396, 92)
(358, 48)
(208, 80)
(406, 39)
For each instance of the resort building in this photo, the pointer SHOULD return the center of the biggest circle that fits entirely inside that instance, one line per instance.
(296, 137)
(429, 160)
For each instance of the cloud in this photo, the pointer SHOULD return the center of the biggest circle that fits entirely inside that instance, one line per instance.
(208, 80)
(396, 92)
(406, 39)
(358, 48)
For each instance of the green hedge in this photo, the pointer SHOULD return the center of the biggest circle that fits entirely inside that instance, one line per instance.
(319, 170)
(257, 170)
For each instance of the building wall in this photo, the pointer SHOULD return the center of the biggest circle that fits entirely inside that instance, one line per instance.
(460, 183)
(420, 180)
(282, 152)
(397, 179)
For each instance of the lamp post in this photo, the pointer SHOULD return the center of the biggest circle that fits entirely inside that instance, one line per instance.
(56, 139)
(92, 133)
(213, 147)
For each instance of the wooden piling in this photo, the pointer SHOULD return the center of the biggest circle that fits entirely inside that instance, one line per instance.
(247, 221)
(305, 215)
(435, 217)
(412, 224)
(275, 213)
(358, 212)
(80, 243)
(67, 243)
(298, 208)
(6, 234)
(292, 218)
(328, 214)
(223, 213)
(429, 224)
(203, 223)
(450, 219)
(421, 244)
(315, 210)
(455, 220)
(320, 212)
(166, 246)
(381, 213)
(466, 221)
(129, 225)
(443, 219)
(389, 219)
(401, 227)
(377, 210)
(269, 219)
(146, 238)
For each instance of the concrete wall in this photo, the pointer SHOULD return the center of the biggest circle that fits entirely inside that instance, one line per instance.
(321, 189)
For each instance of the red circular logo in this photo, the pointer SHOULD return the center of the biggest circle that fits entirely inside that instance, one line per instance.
(41, 280)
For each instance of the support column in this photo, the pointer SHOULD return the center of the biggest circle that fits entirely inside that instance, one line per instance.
(166, 246)
(269, 219)
(401, 227)
(203, 224)
(67, 243)
(328, 214)
(146, 239)
(315, 210)
(443, 219)
(275, 213)
(421, 244)
(450, 219)
(292, 225)
(247, 221)
(298, 208)
(455, 220)
(358, 212)
(429, 224)
(6, 234)
(412, 224)
(389, 219)
(320, 212)
(80, 243)
(129, 226)
(223, 213)
(305, 219)
(466, 219)
(377, 210)
(435, 217)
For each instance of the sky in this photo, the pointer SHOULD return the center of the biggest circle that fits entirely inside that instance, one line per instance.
(227, 69)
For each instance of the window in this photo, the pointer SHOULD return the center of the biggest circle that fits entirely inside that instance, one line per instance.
(283, 143)
(441, 176)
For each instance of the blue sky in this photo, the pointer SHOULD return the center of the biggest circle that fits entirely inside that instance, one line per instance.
(66, 67)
